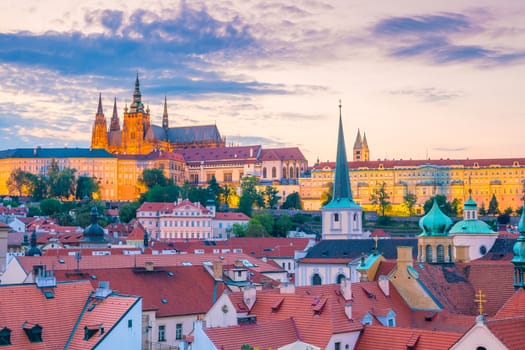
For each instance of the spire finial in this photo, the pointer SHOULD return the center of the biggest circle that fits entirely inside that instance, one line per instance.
(340, 107)
(165, 122)
(99, 109)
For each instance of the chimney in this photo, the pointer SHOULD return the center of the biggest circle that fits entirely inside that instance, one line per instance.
(217, 270)
(287, 288)
(148, 265)
(404, 257)
(103, 290)
(384, 285)
(249, 296)
(462, 253)
(346, 288)
(348, 310)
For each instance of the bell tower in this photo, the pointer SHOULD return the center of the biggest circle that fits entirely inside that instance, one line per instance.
(136, 124)
(99, 133)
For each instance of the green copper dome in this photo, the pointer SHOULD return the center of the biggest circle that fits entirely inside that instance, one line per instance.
(471, 226)
(470, 204)
(435, 223)
(519, 246)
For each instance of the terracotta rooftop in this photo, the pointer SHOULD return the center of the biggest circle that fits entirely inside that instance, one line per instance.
(283, 332)
(231, 216)
(396, 338)
(289, 153)
(509, 331)
(514, 307)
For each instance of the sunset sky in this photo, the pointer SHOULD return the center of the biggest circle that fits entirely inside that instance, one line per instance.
(443, 79)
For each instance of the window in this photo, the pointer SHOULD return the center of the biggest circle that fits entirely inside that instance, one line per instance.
(337, 346)
(336, 217)
(274, 172)
(316, 280)
(483, 250)
(33, 332)
(178, 331)
(5, 336)
(391, 322)
(162, 333)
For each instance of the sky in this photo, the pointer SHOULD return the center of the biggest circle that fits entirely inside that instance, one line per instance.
(422, 79)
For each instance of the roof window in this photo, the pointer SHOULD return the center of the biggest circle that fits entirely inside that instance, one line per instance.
(5, 336)
(33, 332)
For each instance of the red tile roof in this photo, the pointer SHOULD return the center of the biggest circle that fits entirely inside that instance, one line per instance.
(289, 153)
(231, 216)
(509, 331)
(515, 306)
(187, 290)
(396, 338)
(283, 332)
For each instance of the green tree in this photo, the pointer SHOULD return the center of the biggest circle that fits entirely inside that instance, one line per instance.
(33, 211)
(508, 211)
(238, 230)
(87, 187)
(255, 229)
(282, 226)
(266, 219)
(409, 201)
(446, 207)
(21, 183)
(159, 193)
(482, 210)
(50, 206)
(216, 190)
(380, 198)
(271, 197)
(62, 183)
(493, 206)
(249, 195)
(293, 201)
(128, 211)
(456, 207)
(152, 177)
(41, 188)
(327, 194)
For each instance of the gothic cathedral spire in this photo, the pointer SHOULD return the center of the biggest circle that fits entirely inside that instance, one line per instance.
(99, 133)
(115, 122)
(165, 122)
(342, 181)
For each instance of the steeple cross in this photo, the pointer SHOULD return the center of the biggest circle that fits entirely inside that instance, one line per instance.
(480, 300)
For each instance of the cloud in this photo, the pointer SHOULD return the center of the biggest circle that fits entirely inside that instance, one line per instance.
(255, 140)
(436, 38)
(450, 149)
(429, 94)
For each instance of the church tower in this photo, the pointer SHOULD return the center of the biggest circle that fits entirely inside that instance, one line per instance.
(342, 217)
(165, 122)
(99, 134)
(115, 122)
(361, 151)
(136, 124)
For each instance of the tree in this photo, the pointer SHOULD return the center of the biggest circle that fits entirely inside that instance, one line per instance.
(266, 220)
(446, 207)
(238, 230)
(482, 210)
(493, 206)
(327, 194)
(255, 229)
(152, 177)
(33, 211)
(87, 187)
(508, 211)
(216, 190)
(229, 197)
(128, 211)
(282, 225)
(62, 183)
(21, 182)
(249, 195)
(271, 197)
(380, 198)
(159, 193)
(293, 201)
(50, 206)
(409, 201)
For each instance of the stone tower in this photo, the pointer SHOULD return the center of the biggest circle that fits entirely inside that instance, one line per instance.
(99, 134)
(361, 151)
(136, 123)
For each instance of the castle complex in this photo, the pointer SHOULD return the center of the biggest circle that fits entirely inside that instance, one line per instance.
(139, 136)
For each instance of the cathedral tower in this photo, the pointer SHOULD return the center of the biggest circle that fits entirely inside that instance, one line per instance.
(99, 134)
(136, 124)
(361, 151)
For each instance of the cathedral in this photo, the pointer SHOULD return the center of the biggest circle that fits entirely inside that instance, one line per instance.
(139, 136)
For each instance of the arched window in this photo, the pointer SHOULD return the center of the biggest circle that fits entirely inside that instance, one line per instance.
(336, 217)
(291, 172)
(284, 172)
(274, 173)
(264, 173)
(428, 253)
(481, 348)
(297, 172)
(440, 253)
(483, 250)
(316, 280)
(339, 278)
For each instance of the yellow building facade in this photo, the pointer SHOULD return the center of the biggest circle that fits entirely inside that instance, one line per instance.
(502, 177)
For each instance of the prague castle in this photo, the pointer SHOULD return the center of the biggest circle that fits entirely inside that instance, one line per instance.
(139, 136)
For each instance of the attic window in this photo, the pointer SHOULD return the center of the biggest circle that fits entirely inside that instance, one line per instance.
(170, 274)
(33, 332)
(49, 294)
(5, 336)
(90, 331)
(164, 301)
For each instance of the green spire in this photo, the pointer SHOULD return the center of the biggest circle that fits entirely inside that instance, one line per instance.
(342, 180)
(521, 223)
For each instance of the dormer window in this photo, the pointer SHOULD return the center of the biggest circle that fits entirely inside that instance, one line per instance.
(33, 332)
(5, 336)
(336, 217)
